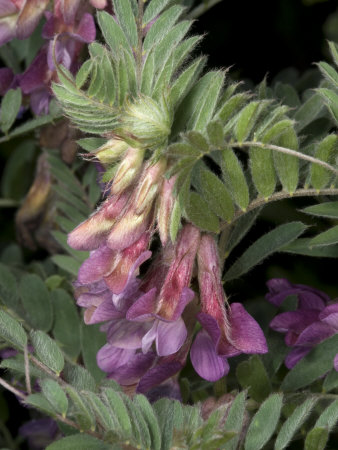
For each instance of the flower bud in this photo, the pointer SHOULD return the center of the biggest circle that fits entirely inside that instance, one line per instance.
(128, 170)
(146, 123)
(165, 207)
(111, 151)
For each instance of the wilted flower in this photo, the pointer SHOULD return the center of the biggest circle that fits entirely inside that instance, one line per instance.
(314, 320)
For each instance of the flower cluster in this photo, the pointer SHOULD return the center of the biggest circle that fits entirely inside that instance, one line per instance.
(314, 320)
(150, 320)
(67, 19)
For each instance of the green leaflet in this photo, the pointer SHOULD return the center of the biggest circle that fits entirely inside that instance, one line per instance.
(263, 171)
(316, 439)
(302, 247)
(293, 423)
(252, 374)
(264, 423)
(8, 288)
(318, 362)
(79, 441)
(83, 413)
(199, 213)
(328, 417)
(234, 178)
(216, 195)
(328, 237)
(326, 151)
(308, 112)
(246, 121)
(185, 80)
(113, 34)
(126, 20)
(10, 106)
(12, 332)
(287, 165)
(327, 209)
(47, 351)
(265, 246)
(55, 395)
(235, 419)
(92, 339)
(153, 9)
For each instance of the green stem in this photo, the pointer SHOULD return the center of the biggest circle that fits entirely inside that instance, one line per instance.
(286, 151)
(282, 195)
(202, 8)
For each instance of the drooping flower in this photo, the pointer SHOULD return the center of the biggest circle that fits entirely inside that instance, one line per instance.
(226, 332)
(314, 320)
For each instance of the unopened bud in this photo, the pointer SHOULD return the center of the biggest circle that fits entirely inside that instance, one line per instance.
(128, 170)
(165, 207)
(149, 186)
(146, 123)
(111, 151)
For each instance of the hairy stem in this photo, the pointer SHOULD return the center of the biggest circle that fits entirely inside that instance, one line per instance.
(282, 195)
(287, 151)
(27, 375)
(202, 8)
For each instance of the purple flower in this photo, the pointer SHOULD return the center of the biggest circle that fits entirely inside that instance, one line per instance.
(225, 333)
(40, 433)
(314, 320)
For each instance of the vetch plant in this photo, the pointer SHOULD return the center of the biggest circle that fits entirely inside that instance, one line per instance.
(147, 231)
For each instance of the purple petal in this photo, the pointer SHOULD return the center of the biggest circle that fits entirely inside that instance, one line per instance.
(7, 8)
(211, 326)
(329, 315)
(314, 334)
(170, 337)
(335, 363)
(186, 297)
(29, 17)
(40, 100)
(204, 359)
(7, 30)
(69, 9)
(123, 301)
(34, 77)
(88, 299)
(143, 308)
(295, 356)
(110, 358)
(6, 79)
(99, 264)
(105, 311)
(125, 334)
(246, 334)
(293, 320)
(158, 374)
(134, 369)
(86, 30)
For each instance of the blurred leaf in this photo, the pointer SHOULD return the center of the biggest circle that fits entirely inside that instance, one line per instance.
(82, 412)
(235, 419)
(36, 301)
(314, 365)
(251, 374)
(264, 246)
(47, 351)
(328, 417)
(8, 288)
(40, 402)
(302, 247)
(79, 377)
(316, 439)
(10, 106)
(100, 410)
(326, 151)
(119, 410)
(331, 381)
(66, 328)
(92, 339)
(328, 209)
(328, 237)
(67, 263)
(79, 441)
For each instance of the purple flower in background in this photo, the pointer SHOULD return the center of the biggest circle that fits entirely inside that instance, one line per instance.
(40, 433)
(314, 320)
(225, 333)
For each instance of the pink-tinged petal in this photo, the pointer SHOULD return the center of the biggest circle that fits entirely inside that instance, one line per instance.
(166, 204)
(105, 311)
(29, 17)
(144, 307)
(49, 28)
(7, 8)
(246, 334)
(69, 9)
(86, 30)
(100, 263)
(127, 262)
(134, 369)
(7, 29)
(277, 285)
(87, 299)
(37, 73)
(329, 315)
(291, 338)
(295, 356)
(149, 337)
(170, 337)
(204, 359)
(335, 363)
(123, 301)
(92, 233)
(158, 374)
(211, 326)
(314, 334)
(293, 320)
(125, 334)
(40, 101)
(6, 79)
(110, 358)
(63, 54)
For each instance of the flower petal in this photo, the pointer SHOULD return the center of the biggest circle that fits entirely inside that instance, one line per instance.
(126, 334)
(149, 337)
(335, 363)
(329, 315)
(158, 374)
(204, 359)
(314, 334)
(170, 337)
(134, 369)
(144, 307)
(99, 264)
(293, 320)
(295, 356)
(110, 358)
